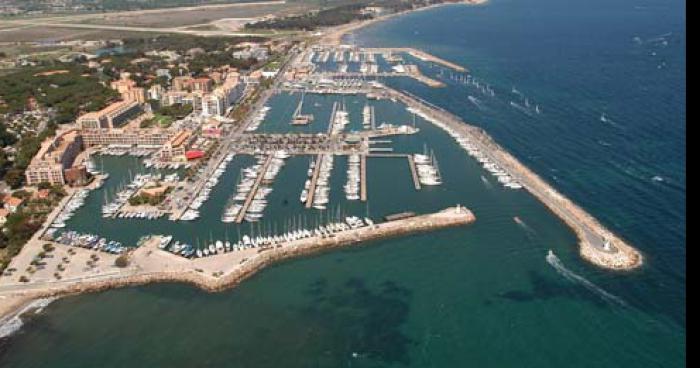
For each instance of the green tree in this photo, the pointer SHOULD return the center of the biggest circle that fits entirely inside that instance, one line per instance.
(122, 261)
(14, 178)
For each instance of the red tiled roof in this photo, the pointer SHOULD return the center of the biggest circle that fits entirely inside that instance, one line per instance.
(191, 155)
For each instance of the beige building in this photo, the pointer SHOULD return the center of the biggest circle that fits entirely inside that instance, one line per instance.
(55, 155)
(137, 94)
(130, 137)
(112, 116)
(174, 148)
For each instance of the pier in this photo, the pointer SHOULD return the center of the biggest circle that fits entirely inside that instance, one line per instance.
(363, 178)
(298, 118)
(414, 172)
(251, 195)
(314, 179)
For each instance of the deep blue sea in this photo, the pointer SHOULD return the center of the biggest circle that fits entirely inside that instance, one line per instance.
(608, 78)
(590, 95)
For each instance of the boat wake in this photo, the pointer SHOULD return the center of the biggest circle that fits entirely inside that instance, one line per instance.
(14, 323)
(611, 122)
(515, 91)
(555, 262)
(475, 101)
(521, 108)
(486, 182)
(523, 225)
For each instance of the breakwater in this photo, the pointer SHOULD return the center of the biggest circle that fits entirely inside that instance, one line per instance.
(148, 264)
(597, 244)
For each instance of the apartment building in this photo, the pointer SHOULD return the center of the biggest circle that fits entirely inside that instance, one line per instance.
(112, 116)
(54, 157)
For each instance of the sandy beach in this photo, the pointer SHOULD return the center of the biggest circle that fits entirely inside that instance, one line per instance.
(334, 36)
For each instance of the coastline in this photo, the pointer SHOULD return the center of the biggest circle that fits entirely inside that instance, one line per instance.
(336, 34)
(627, 257)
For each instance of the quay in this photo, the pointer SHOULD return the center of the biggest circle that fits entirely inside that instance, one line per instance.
(251, 194)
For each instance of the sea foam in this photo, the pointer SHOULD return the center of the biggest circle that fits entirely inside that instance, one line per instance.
(14, 323)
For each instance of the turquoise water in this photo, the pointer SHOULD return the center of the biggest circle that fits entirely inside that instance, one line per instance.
(478, 296)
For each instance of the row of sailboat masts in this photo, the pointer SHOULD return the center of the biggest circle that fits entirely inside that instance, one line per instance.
(434, 163)
(433, 160)
(122, 184)
(373, 121)
(333, 110)
(294, 223)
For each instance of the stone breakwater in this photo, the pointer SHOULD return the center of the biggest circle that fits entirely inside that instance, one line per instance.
(200, 272)
(597, 244)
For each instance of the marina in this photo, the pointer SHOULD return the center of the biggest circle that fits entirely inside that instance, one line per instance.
(380, 264)
(258, 202)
